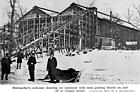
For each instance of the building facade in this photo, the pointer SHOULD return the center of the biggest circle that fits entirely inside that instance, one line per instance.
(76, 27)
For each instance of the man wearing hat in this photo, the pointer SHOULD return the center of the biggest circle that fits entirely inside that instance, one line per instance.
(31, 66)
(20, 56)
(51, 67)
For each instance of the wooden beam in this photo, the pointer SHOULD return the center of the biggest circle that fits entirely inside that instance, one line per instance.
(48, 42)
(64, 36)
(22, 35)
(69, 37)
(80, 34)
(39, 32)
(34, 28)
(48, 10)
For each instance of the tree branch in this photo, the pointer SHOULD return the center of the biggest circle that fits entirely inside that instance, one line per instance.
(92, 3)
(138, 11)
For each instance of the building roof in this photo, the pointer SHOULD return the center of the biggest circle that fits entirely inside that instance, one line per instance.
(50, 13)
(38, 10)
(73, 5)
(122, 24)
(102, 15)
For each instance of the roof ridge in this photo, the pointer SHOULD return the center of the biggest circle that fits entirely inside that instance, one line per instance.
(47, 9)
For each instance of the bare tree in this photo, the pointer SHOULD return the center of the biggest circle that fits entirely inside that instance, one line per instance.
(116, 18)
(20, 10)
(129, 15)
(115, 33)
(12, 6)
(137, 8)
(16, 11)
(92, 3)
(137, 18)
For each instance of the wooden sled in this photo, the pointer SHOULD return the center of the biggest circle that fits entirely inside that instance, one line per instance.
(65, 76)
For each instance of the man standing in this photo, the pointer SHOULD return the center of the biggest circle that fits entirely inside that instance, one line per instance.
(31, 66)
(100, 44)
(19, 59)
(51, 67)
(26, 55)
(5, 63)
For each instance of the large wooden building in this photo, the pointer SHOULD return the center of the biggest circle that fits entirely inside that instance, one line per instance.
(75, 27)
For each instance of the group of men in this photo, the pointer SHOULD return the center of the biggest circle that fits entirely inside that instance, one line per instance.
(51, 66)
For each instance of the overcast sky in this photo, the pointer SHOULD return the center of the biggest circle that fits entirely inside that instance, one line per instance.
(117, 6)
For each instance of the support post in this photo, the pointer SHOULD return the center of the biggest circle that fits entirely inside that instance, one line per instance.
(23, 37)
(39, 27)
(69, 35)
(64, 37)
(48, 42)
(80, 34)
(111, 23)
(34, 28)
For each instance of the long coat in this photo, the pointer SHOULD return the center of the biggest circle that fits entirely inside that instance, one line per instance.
(5, 63)
(51, 67)
(52, 63)
(31, 63)
(19, 57)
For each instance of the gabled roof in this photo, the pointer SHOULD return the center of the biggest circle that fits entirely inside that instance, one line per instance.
(48, 10)
(38, 10)
(35, 9)
(124, 23)
(41, 10)
(73, 5)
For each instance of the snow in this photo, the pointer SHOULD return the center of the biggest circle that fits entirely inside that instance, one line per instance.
(105, 67)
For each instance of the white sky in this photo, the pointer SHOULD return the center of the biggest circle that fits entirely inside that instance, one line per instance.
(117, 6)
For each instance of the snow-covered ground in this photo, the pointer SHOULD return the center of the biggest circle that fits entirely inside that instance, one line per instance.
(99, 67)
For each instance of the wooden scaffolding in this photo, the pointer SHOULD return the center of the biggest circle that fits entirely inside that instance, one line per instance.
(63, 31)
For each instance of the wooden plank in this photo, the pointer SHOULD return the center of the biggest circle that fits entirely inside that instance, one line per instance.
(64, 37)
(34, 27)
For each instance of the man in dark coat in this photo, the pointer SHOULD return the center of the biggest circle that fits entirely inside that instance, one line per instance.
(5, 63)
(31, 66)
(26, 55)
(100, 44)
(51, 67)
(19, 59)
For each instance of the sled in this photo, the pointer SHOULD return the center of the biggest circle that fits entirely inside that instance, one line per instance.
(65, 76)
